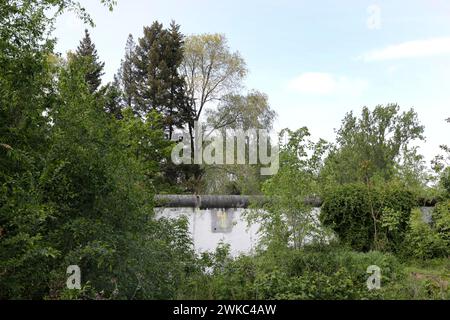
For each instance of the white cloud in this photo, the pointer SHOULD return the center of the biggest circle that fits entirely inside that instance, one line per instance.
(326, 84)
(411, 49)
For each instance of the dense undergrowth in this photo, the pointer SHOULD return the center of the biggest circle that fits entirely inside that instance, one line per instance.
(316, 272)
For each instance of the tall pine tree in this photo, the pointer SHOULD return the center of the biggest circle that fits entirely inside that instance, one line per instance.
(158, 84)
(127, 73)
(150, 81)
(177, 109)
(94, 68)
(146, 64)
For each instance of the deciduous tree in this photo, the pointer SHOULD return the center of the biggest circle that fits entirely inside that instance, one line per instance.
(377, 143)
(211, 71)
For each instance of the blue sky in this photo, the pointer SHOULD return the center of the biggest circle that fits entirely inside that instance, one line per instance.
(316, 60)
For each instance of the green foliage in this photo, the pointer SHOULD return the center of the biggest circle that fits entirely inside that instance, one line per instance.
(441, 166)
(211, 72)
(427, 279)
(314, 272)
(113, 99)
(441, 221)
(317, 272)
(77, 184)
(26, 73)
(237, 112)
(365, 218)
(152, 81)
(87, 52)
(429, 240)
(328, 272)
(445, 180)
(127, 75)
(374, 145)
(286, 219)
(418, 289)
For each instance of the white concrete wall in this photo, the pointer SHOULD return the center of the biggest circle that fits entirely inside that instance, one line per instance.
(209, 227)
(242, 239)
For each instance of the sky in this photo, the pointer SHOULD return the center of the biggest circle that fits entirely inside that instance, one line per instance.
(316, 60)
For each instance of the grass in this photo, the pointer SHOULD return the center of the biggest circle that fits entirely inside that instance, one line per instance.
(429, 279)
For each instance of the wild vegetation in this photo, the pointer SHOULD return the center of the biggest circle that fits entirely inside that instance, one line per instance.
(80, 162)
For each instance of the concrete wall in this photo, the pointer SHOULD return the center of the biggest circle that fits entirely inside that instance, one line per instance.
(211, 226)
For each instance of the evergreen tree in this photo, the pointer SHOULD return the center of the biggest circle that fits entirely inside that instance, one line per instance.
(113, 96)
(88, 53)
(146, 64)
(127, 74)
(159, 86)
(151, 83)
(177, 109)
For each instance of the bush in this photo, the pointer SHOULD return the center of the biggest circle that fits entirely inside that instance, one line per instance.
(350, 210)
(88, 203)
(340, 285)
(441, 222)
(445, 181)
(329, 259)
(218, 276)
(425, 241)
(315, 272)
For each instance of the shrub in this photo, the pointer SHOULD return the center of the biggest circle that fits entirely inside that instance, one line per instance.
(441, 222)
(329, 259)
(425, 241)
(327, 272)
(310, 285)
(368, 218)
(314, 272)
(445, 180)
